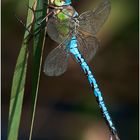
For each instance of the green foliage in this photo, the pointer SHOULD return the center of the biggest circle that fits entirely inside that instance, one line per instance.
(38, 46)
(19, 78)
(17, 93)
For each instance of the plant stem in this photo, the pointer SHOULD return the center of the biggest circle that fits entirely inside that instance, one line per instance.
(38, 47)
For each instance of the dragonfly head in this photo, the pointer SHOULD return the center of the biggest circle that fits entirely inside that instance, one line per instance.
(67, 13)
(60, 2)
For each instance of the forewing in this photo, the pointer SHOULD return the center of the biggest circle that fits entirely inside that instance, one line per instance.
(57, 30)
(91, 21)
(88, 46)
(56, 62)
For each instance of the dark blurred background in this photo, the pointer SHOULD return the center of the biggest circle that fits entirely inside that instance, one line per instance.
(66, 109)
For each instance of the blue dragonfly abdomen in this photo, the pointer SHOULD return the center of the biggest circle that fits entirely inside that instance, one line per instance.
(97, 93)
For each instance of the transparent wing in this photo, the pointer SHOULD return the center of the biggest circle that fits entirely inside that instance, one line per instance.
(56, 62)
(57, 30)
(88, 46)
(91, 21)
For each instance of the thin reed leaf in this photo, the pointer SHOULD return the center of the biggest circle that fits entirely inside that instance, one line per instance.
(18, 84)
(38, 46)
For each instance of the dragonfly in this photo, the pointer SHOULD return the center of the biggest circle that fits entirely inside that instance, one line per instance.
(76, 37)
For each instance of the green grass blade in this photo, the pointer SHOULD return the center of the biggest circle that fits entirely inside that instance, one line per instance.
(38, 47)
(18, 84)
(17, 94)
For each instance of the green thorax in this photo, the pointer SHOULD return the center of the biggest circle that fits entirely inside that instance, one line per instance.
(65, 13)
(63, 18)
(62, 15)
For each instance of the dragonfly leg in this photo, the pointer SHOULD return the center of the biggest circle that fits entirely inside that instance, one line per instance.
(33, 7)
(31, 35)
(39, 23)
(41, 28)
(26, 27)
(39, 10)
(33, 10)
(37, 31)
